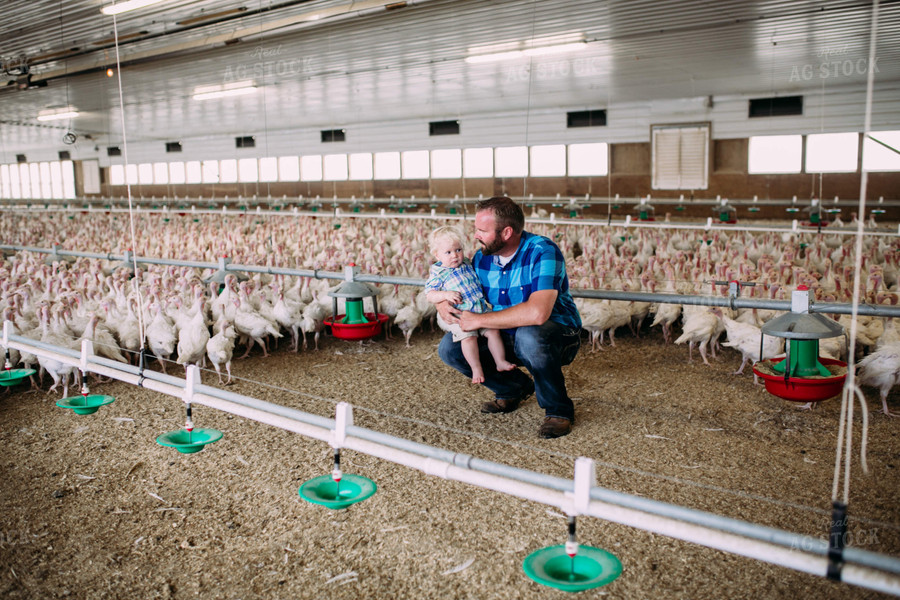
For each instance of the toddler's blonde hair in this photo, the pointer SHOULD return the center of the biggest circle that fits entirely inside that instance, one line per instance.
(445, 232)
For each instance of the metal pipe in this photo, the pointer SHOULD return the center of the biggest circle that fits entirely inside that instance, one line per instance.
(803, 553)
(720, 301)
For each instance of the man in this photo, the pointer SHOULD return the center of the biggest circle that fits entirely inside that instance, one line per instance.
(524, 278)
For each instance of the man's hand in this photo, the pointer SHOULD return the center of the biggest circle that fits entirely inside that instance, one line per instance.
(468, 321)
(449, 313)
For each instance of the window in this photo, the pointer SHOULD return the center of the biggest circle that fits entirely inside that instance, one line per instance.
(387, 165)
(248, 170)
(335, 167)
(25, 180)
(228, 172)
(210, 171)
(161, 173)
(145, 173)
(832, 152)
(5, 187)
(113, 151)
(34, 169)
(131, 174)
(14, 183)
(478, 162)
(117, 175)
(361, 166)
(173, 146)
(46, 187)
(311, 168)
(68, 177)
(511, 161)
(176, 172)
(680, 157)
(414, 164)
(443, 128)
(776, 107)
(877, 157)
(774, 154)
(446, 164)
(586, 118)
(193, 171)
(56, 182)
(245, 141)
(56, 179)
(588, 159)
(268, 169)
(333, 135)
(548, 161)
(289, 168)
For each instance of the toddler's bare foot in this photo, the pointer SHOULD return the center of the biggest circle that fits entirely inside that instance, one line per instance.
(505, 366)
(477, 376)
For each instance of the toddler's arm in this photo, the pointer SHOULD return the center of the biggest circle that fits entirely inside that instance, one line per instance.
(436, 296)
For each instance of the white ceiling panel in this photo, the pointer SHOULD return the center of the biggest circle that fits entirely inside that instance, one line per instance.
(324, 64)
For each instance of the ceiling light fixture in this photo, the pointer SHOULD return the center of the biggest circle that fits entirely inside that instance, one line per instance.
(559, 49)
(508, 51)
(119, 8)
(67, 113)
(210, 92)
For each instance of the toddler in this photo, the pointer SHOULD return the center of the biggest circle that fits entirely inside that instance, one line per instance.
(453, 279)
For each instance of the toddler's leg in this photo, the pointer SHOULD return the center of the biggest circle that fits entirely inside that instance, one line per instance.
(470, 351)
(495, 345)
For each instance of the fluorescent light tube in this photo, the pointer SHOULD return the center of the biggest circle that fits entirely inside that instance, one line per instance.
(481, 58)
(558, 49)
(224, 93)
(58, 116)
(120, 7)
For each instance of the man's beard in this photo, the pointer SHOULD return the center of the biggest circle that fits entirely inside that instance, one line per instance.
(493, 248)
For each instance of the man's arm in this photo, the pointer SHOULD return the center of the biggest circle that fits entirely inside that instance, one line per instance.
(534, 311)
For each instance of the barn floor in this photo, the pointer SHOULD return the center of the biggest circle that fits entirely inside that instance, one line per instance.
(91, 507)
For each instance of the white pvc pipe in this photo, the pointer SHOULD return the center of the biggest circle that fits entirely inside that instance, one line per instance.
(766, 550)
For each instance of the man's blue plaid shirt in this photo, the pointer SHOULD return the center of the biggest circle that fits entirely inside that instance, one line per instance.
(538, 264)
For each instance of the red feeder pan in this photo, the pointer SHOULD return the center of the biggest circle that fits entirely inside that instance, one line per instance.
(356, 331)
(801, 389)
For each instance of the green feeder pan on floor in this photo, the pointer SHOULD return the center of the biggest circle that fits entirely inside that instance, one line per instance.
(589, 569)
(13, 376)
(327, 492)
(189, 442)
(85, 405)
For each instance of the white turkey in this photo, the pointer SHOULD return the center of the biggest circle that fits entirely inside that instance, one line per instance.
(745, 338)
(881, 370)
(161, 336)
(701, 327)
(220, 348)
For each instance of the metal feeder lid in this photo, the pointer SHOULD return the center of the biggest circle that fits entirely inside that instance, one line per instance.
(354, 289)
(803, 326)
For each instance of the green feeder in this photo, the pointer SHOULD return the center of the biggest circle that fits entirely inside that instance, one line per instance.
(803, 330)
(590, 568)
(189, 442)
(814, 218)
(338, 490)
(355, 324)
(9, 377)
(356, 208)
(354, 312)
(85, 404)
(452, 210)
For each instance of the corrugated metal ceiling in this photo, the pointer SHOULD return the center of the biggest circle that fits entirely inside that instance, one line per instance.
(335, 62)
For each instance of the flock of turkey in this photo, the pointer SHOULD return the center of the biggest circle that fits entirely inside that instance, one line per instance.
(183, 318)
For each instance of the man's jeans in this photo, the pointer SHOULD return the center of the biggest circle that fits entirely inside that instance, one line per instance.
(542, 349)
